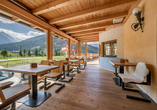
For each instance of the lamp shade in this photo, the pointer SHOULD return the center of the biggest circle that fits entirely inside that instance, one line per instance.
(136, 10)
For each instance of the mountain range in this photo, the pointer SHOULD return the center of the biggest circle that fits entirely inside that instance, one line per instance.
(5, 38)
(38, 42)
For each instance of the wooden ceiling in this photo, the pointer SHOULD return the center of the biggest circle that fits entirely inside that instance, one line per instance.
(81, 19)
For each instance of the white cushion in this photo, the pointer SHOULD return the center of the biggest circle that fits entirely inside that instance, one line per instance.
(141, 71)
(129, 78)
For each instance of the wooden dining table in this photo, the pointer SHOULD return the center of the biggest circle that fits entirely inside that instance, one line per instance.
(36, 97)
(121, 70)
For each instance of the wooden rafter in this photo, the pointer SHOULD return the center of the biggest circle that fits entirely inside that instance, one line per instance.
(89, 40)
(91, 10)
(93, 27)
(52, 6)
(97, 37)
(100, 19)
(84, 34)
(92, 31)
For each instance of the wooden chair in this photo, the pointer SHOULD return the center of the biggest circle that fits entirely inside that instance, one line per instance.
(12, 94)
(137, 78)
(76, 65)
(66, 69)
(43, 62)
(82, 63)
(5, 84)
(57, 73)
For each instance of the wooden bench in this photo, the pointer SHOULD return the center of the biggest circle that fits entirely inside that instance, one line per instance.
(12, 94)
(5, 84)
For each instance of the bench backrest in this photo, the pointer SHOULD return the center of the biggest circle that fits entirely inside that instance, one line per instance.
(60, 64)
(2, 98)
(44, 62)
(141, 71)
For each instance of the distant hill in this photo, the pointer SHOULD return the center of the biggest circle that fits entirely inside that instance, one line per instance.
(5, 38)
(40, 42)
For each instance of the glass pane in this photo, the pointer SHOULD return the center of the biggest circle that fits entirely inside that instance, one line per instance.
(114, 49)
(92, 49)
(73, 49)
(107, 49)
(60, 49)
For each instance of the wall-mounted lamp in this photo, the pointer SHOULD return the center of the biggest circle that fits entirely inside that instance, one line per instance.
(137, 12)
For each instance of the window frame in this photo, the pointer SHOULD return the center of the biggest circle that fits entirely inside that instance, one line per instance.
(112, 42)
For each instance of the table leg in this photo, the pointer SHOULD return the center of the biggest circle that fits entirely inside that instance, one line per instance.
(33, 83)
(36, 97)
(119, 80)
(63, 78)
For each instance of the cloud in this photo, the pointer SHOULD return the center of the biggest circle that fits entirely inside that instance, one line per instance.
(21, 36)
(6, 21)
(32, 33)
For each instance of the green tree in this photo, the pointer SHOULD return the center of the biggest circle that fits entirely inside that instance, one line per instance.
(10, 56)
(36, 52)
(20, 52)
(29, 53)
(4, 53)
(41, 53)
(24, 52)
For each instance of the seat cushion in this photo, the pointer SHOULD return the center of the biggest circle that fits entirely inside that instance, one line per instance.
(52, 75)
(129, 78)
(141, 71)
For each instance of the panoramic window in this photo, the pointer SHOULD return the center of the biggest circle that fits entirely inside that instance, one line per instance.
(110, 48)
(92, 49)
(60, 48)
(19, 45)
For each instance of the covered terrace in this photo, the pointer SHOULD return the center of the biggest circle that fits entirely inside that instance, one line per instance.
(108, 22)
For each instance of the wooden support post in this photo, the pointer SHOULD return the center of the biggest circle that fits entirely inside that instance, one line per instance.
(49, 45)
(79, 48)
(86, 49)
(99, 49)
(69, 48)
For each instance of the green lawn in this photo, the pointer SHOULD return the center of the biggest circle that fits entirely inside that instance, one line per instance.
(18, 62)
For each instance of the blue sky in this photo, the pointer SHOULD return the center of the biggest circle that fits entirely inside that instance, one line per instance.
(17, 30)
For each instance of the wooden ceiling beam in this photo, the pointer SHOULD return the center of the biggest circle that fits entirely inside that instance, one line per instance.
(91, 31)
(93, 27)
(100, 19)
(52, 6)
(87, 36)
(84, 34)
(97, 37)
(90, 40)
(93, 10)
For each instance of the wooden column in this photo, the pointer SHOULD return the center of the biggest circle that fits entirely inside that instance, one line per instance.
(99, 49)
(86, 49)
(69, 48)
(79, 48)
(49, 45)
